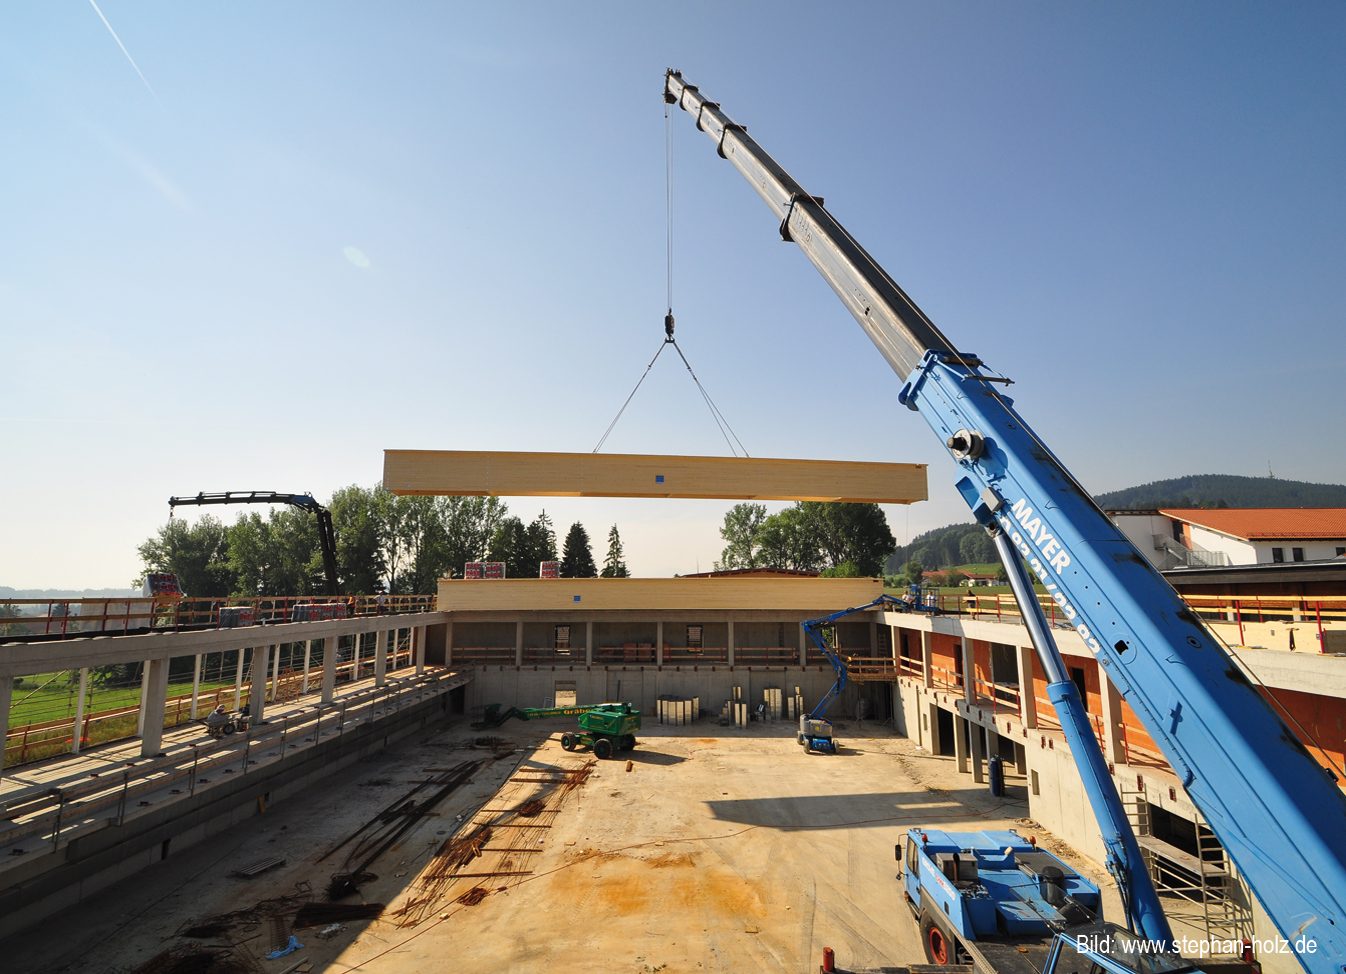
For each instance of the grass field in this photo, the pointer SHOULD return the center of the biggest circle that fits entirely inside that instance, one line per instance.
(47, 696)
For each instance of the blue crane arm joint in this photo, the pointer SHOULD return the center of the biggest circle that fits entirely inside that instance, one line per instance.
(1279, 814)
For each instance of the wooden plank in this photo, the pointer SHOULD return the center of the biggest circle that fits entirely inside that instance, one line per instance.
(584, 594)
(478, 473)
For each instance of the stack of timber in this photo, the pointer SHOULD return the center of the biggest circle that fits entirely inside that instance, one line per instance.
(679, 711)
(773, 697)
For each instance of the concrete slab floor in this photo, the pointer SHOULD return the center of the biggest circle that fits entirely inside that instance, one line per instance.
(720, 849)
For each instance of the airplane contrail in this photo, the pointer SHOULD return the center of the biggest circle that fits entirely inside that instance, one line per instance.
(148, 86)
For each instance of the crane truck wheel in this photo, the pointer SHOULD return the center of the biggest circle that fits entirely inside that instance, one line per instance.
(603, 748)
(940, 947)
(568, 741)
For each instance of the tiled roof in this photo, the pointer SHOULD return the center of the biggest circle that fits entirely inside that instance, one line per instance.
(1267, 523)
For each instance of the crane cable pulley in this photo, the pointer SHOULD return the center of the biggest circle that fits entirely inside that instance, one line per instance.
(721, 422)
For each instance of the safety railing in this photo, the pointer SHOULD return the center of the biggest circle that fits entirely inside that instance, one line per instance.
(945, 678)
(1002, 697)
(769, 656)
(70, 617)
(635, 654)
(495, 655)
(709, 655)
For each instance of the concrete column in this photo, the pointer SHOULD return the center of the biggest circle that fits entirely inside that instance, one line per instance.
(6, 698)
(331, 649)
(381, 658)
(144, 692)
(308, 659)
(589, 643)
(448, 642)
(1114, 751)
(238, 680)
(960, 754)
(518, 643)
(196, 683)
(356, 641)
(418, 648)
(927, 664)
(969, 671)
(729, 642)
(978, 754)
(152, 707)
(77, 740)
(803, 648)
(257, 698)
(1028, 702)
(275, 671)
(659, 643)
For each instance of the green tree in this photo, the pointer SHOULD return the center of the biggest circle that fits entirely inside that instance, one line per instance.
(509, 543)
(360, 561)
(856, 533)
(541, 542)
(614, 565)
(197, 553)
(789, 539)
(9, 610)
(469, 524)
(847, 569)
(739, 531)
(976, 548)
(913, 572)
(577, 557)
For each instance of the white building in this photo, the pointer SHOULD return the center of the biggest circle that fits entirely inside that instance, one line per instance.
(1176, 537)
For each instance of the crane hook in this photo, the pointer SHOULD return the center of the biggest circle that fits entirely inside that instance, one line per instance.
(668, 326)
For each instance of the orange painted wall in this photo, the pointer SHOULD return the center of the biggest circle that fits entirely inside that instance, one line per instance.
(1319, 721)
(944, 652)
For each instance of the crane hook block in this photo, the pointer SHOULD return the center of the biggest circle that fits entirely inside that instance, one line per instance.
(668, 327)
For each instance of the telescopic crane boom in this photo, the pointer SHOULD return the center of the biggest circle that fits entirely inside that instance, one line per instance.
(1279, 814)
(326, 532)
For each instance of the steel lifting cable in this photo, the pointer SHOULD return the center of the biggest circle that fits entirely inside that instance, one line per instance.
(721, 422)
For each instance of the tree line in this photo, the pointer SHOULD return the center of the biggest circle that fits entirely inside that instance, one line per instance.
(384, 543)
(848, 540)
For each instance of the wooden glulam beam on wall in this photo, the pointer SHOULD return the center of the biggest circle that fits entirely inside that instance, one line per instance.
(484, 473)
(510, 595)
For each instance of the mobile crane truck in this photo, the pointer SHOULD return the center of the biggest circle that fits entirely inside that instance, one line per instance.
(1279, 814)
(606, 727)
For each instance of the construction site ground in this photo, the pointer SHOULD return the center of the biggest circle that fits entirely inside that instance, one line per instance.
(707, 848)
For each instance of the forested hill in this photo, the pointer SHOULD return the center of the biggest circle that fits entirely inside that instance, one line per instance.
(1225, 490)
(952, 544)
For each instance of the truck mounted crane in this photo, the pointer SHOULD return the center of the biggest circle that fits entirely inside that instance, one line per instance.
(1279, 814)
(326, 532)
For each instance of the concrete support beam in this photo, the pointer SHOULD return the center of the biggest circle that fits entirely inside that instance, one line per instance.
(308, 662)
(448, 642)
(729, 642)
(1114, 750)
(357, 641)
(381, 658)
(927, 663)
(331, 649)
(589, 643)
(77, 738)
(238, 680)
(803, 647)
(418, 648)
(483, 473)
(518, 644)
(257, 696)
(275, 671)
(144, 692)
(6, 700)
(960, 754)
(969, 670)
(659, 643)
(152, 707)
(196, 683)
(978, 754)
(1028, 702)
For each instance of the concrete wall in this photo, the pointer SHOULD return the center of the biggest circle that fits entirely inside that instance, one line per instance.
(536, 686)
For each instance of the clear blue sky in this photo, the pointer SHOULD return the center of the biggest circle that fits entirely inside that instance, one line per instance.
(318, 230)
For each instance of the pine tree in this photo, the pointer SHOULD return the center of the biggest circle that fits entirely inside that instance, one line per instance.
(614, 566)
(577, 558)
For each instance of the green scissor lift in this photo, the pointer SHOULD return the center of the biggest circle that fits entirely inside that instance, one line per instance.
(605, 727)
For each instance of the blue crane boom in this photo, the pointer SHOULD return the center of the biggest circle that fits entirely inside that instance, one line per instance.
(814, 628)
(1280, 815)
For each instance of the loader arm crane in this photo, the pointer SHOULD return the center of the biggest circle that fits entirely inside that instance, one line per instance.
(1279, 814)
(326, 532)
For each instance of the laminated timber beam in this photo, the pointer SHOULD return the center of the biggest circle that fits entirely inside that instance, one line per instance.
(483, 473)
(509, 595)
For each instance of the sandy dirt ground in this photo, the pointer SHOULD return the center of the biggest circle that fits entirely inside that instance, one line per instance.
(711, 849)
